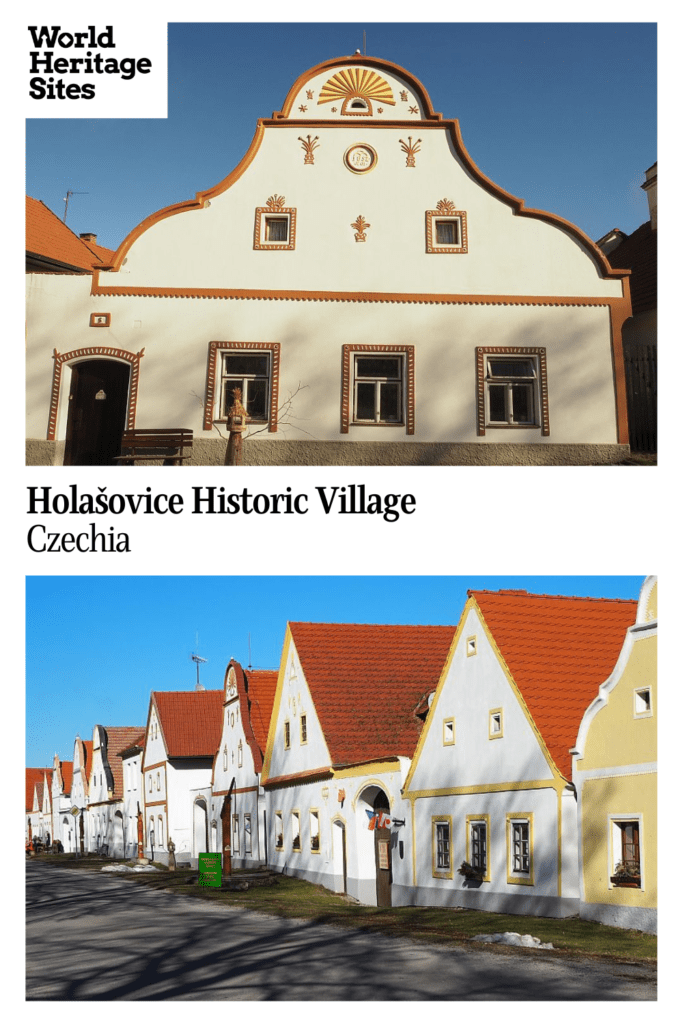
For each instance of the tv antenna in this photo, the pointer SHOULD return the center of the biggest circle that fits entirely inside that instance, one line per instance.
(198, 661)
(68, 196)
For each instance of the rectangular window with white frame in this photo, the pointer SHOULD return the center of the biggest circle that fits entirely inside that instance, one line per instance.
(642, 702)
(378, 386)
(520, 849)
(314, 825)
(442, 860)
(250, 373)
(279, 831)
(296, 831)
(235, 833)
(247, 833)
(448, 732)
(478, 831)
(512, 389)
(626, 853)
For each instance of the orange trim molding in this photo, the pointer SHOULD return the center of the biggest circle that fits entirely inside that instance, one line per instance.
(78, 354)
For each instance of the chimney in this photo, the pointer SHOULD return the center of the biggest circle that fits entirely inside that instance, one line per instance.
(650, 187)
(88, 236)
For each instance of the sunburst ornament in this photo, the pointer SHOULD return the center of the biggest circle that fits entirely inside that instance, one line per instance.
(357, 87)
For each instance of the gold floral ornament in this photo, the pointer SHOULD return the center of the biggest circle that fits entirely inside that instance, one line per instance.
(303, 108)
(308, 145)
(275, 202)
(410, 148)
(404, 95)
(446, 207)
(309, 94)
(360, 226)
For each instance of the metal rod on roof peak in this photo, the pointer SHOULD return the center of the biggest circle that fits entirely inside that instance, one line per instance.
(67, 197)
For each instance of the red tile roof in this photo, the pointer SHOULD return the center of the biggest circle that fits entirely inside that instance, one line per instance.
(190, 721)
(34, 777)
(118, 738)
(66, 769)
(48, 238)
(261, 686)
(558, 650)
(366, 682)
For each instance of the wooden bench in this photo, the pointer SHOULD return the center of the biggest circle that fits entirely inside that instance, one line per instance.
(157, 444)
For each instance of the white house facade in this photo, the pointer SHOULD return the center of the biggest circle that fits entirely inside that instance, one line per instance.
(492, 804)
(182, 735)
(238, 803)
(341, 737)
(373, 295)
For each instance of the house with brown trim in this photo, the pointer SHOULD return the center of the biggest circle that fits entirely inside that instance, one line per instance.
(238, 803)
(62, 820)
(37, 781)
(375, 298)
(108, 830)
(131, 761)
(181, 739)
(348, 712)
(491, 794)
(77, 836)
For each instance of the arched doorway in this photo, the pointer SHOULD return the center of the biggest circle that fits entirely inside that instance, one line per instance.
(201, 828)
(374, 846)
(339, 855)
(98, 400)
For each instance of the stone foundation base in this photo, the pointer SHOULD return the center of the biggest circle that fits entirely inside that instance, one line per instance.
(211, 452)
(526, 904)
(643, 919)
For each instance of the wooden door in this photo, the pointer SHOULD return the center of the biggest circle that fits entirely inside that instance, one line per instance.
(383, 866)
(98, 402)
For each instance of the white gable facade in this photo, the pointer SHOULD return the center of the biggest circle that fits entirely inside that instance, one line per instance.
(356, 276)
(319, 817)
(485, 797)
(238, 803)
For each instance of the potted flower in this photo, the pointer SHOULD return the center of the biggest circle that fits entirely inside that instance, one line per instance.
(626, 874)
(315, 842)
(469, 872)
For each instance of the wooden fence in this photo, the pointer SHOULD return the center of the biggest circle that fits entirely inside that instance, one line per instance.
(641, 395)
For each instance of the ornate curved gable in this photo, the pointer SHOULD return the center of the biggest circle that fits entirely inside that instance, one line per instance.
(357, 87)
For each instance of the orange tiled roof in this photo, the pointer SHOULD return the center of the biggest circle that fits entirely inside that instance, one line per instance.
(190, 721)
(118, 738)
(558, 650)
(34, 777)
(67, 770)
(366, 682)
(51, 240)
(261, 686)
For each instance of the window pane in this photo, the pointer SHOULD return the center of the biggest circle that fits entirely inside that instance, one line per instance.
(371, 366)
(276, 229)
(365, 401)
(511, 368)
(239, 365)
(497, 403)
(257, 391)
(390, 402)
(521, 403)
(447, 232)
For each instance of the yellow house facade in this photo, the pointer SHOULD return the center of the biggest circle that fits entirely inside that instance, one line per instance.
(615, 773)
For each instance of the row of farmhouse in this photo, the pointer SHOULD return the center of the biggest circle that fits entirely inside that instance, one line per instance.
(508, 764)
(374, 297)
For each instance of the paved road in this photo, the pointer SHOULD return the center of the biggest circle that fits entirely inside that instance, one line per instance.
(94, 936)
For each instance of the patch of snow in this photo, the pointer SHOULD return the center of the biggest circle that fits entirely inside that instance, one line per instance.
(126, 867)
(514, 939)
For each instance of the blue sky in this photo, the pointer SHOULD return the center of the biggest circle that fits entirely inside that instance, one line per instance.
(561, 115)
(97, 645)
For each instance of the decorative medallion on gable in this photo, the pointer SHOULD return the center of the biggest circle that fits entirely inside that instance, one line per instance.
(357, 88)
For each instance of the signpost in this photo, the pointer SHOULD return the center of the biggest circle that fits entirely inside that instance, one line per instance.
(210, 869)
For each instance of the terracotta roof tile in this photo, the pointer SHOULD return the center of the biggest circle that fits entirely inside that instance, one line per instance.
(67, 770)
(558, 650)
(366, 681)
(191, 721)
(261, 686)
(118, 738)
(50, 239)
(34, 777)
